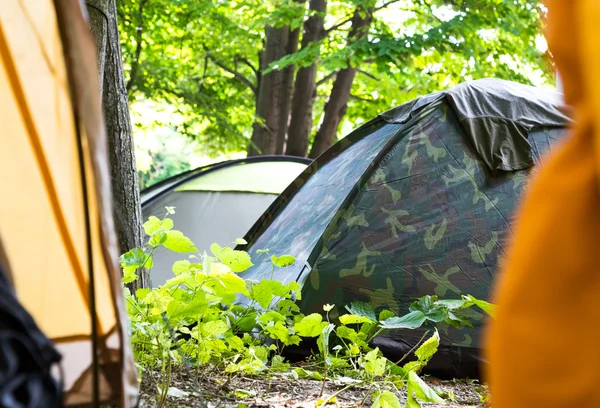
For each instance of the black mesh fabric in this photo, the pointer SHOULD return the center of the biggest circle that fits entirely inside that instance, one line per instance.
(26, 357)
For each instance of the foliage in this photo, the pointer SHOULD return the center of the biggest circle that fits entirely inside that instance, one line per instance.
(204, 57)
(207, 315)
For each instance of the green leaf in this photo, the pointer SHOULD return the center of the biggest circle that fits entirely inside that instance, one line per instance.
(348, 333)
(278, 331)
(262, 251)
(362, 309)
(386, 399)
(129, 274)
(177, 242)
(287, 307)
(154, 224)
(451, 304)
(310, 326)
(141, 294)
(135, 258)
(457, 320)
(238, 261)
(216, 249)
(374, 365)
(431, 308)
(302, 373)
(295, 289)
(397, 370)
(230, 284)
(180, 267)
(262, 293)
(213, 328)
(323, 340)
(386, 314)
(271, 316)
(241, 241)
(235, 343)
(278, 289)
(422, 390)
(158, 239)
(278, 363)
(131, 261)
(410, 401)
(182, 279)
(487, 307)
(415, 366)
(412, 320)
(283, 260)
(247, 323)
(192, 308)
(428, 348)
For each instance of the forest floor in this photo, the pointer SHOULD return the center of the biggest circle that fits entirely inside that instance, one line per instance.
(219, 391)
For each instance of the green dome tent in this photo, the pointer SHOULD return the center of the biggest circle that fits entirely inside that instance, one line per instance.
(419, 201)
(219, 202)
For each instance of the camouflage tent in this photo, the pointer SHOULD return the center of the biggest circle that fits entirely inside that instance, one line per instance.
(419, 201)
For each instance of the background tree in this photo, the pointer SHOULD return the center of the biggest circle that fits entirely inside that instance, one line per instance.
(275, 77)
(126, 198)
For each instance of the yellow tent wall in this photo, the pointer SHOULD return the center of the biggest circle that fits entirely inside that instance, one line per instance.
(56, 222)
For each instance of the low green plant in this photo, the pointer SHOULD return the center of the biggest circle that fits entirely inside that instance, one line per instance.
(207, 315)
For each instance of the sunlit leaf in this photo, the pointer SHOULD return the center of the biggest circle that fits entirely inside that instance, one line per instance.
(283, 260)
(423, 392)
(428, 348)
(178, 242)
(386, 399)
(310, 326)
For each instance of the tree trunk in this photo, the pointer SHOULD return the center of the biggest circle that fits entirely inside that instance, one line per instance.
(99, 26)
(287, 88)
(126, 197)
(305, 87)
(335, 109)
(268, 103)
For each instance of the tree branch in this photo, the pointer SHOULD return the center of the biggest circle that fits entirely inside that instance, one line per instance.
(248, 63)
(236, 74)
(138, 48)
(368, 74)
(326, 78)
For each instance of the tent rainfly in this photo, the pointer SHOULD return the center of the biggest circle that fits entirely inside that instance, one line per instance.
(58, 239)
(217, 203)
(419, 201)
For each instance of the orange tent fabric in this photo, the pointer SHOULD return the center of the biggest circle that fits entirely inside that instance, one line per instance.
(56, 226)
(543, 346)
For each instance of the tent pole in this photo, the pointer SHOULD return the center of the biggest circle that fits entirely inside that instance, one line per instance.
(92, 280)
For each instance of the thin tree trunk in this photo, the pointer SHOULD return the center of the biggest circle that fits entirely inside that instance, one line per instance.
(99, 27)
(335, 109)
(287, 88)
(305, 86)
(268, 103)
(118, 126)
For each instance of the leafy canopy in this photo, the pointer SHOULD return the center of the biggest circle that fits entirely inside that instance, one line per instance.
(203, 57)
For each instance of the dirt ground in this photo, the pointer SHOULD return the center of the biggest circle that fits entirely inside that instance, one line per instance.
(218, 391)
